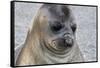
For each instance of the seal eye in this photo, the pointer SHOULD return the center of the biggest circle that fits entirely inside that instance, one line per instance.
(73, 27)
(57, 26)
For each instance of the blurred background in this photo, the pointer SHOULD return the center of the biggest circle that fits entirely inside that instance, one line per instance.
(85, 17)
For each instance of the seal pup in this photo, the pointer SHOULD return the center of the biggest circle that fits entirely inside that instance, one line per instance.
(52, 38)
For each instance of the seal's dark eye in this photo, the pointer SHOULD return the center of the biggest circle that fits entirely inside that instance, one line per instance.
(73, 27)
(56, 26)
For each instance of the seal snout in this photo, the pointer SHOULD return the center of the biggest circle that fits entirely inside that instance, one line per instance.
(64, 42)
(68, 39)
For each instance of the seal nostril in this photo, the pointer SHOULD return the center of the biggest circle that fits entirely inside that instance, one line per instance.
(66, 34)
(68, 40)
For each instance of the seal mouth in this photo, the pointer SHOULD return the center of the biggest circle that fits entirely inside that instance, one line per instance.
(62, 45)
